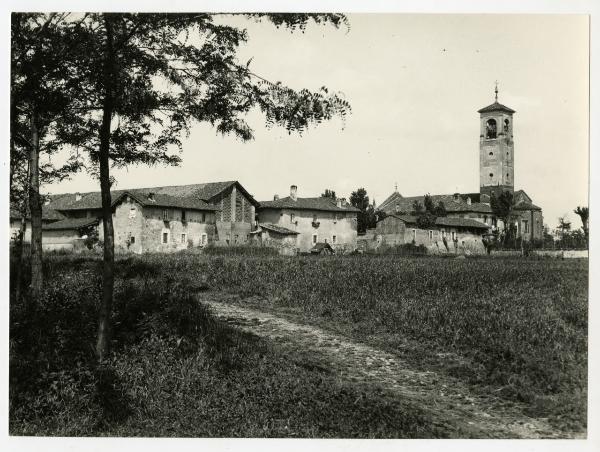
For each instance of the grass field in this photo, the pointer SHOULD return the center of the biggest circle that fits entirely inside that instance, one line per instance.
(517, 327)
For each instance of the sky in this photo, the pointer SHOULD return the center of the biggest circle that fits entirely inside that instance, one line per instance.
(415, 83)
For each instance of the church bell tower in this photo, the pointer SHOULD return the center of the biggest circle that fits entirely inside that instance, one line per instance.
(496, 149)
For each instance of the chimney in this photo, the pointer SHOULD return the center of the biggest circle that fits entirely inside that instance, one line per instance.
(338, 202)
(294, 192)
(275, 197)
(469, 200)
(77, 196)
(151, 196)
(343, 202)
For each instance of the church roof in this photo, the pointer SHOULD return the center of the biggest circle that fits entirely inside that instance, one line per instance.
(452, 203)
(496, 106)
(457, 222)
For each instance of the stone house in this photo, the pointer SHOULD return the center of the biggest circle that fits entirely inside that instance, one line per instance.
(159, 218)
(316, 220)
(283, 239)
(449, 234)
(142, 220)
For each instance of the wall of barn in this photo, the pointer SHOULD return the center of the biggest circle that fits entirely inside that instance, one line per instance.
(234, 221)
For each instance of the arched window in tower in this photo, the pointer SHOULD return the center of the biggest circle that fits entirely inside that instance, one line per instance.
(490, 129)
(506, 125)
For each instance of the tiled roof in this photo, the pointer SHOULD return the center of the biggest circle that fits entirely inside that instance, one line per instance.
(496, 107)
(70, 223)
(93, 200)
(446, 221)
(451, 204)
(278, 229)
(48, 214)
(205, 192)
(320, 203)
(524, 205)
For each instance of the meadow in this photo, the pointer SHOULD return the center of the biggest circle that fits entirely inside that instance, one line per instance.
(514, 326)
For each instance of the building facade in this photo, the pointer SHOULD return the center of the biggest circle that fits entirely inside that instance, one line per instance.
(316, 220)
(447, 235)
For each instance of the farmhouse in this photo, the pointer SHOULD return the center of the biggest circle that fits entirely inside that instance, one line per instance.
(316, 220)
(152, 219)
(447, 235)
(496, 175)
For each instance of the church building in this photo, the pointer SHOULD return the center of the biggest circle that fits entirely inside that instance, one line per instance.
(496, 175)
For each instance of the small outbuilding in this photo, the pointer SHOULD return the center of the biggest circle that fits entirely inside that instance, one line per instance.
(283, 239)
(322, 248)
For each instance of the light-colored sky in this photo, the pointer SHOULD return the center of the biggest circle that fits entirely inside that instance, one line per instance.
(415, 83)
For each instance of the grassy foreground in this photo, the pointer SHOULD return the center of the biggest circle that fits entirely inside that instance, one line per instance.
(175, 370)
(518, 328)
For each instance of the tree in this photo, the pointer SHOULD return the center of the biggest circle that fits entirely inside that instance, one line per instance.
(584, 215)
(367, 217)
(152, 75)
(328, 194)
(43, 85)
(427, 212)
(502, 207)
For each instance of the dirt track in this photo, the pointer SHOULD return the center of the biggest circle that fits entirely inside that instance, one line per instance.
(447, 400)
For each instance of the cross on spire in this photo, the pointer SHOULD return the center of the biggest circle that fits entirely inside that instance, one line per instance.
(496, 90)
(396, 187)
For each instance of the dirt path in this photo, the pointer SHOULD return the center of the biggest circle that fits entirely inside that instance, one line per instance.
(444, 398)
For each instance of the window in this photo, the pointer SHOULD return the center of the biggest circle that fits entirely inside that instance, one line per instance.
(325, 239)
(485, 219)
(314, 239)
(203, 217)
(526, 226)
(228, 239)
(132, 212)
(414, 232)
(131, 240)
(165, 237)
(166, 215)
(334, 239)
(506, 125)
(491, 174)
(204, 239)
(183, 216)
(183, 238)
(235, 238)
(492, 154)
(454, 237)
(490, 129)
(292, 217)
(430, 235)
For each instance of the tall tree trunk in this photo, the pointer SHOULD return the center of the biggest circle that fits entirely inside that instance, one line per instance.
(108, 277)
(20, 252)
(35, 208)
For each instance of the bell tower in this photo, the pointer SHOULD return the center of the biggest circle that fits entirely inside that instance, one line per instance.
(496, 148)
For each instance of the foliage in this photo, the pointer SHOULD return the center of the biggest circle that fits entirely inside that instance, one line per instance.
(367, 217)
(521, 325)
(328, 194)
(177, 371)
(502, 207)
(240, 250)
(427, 212)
